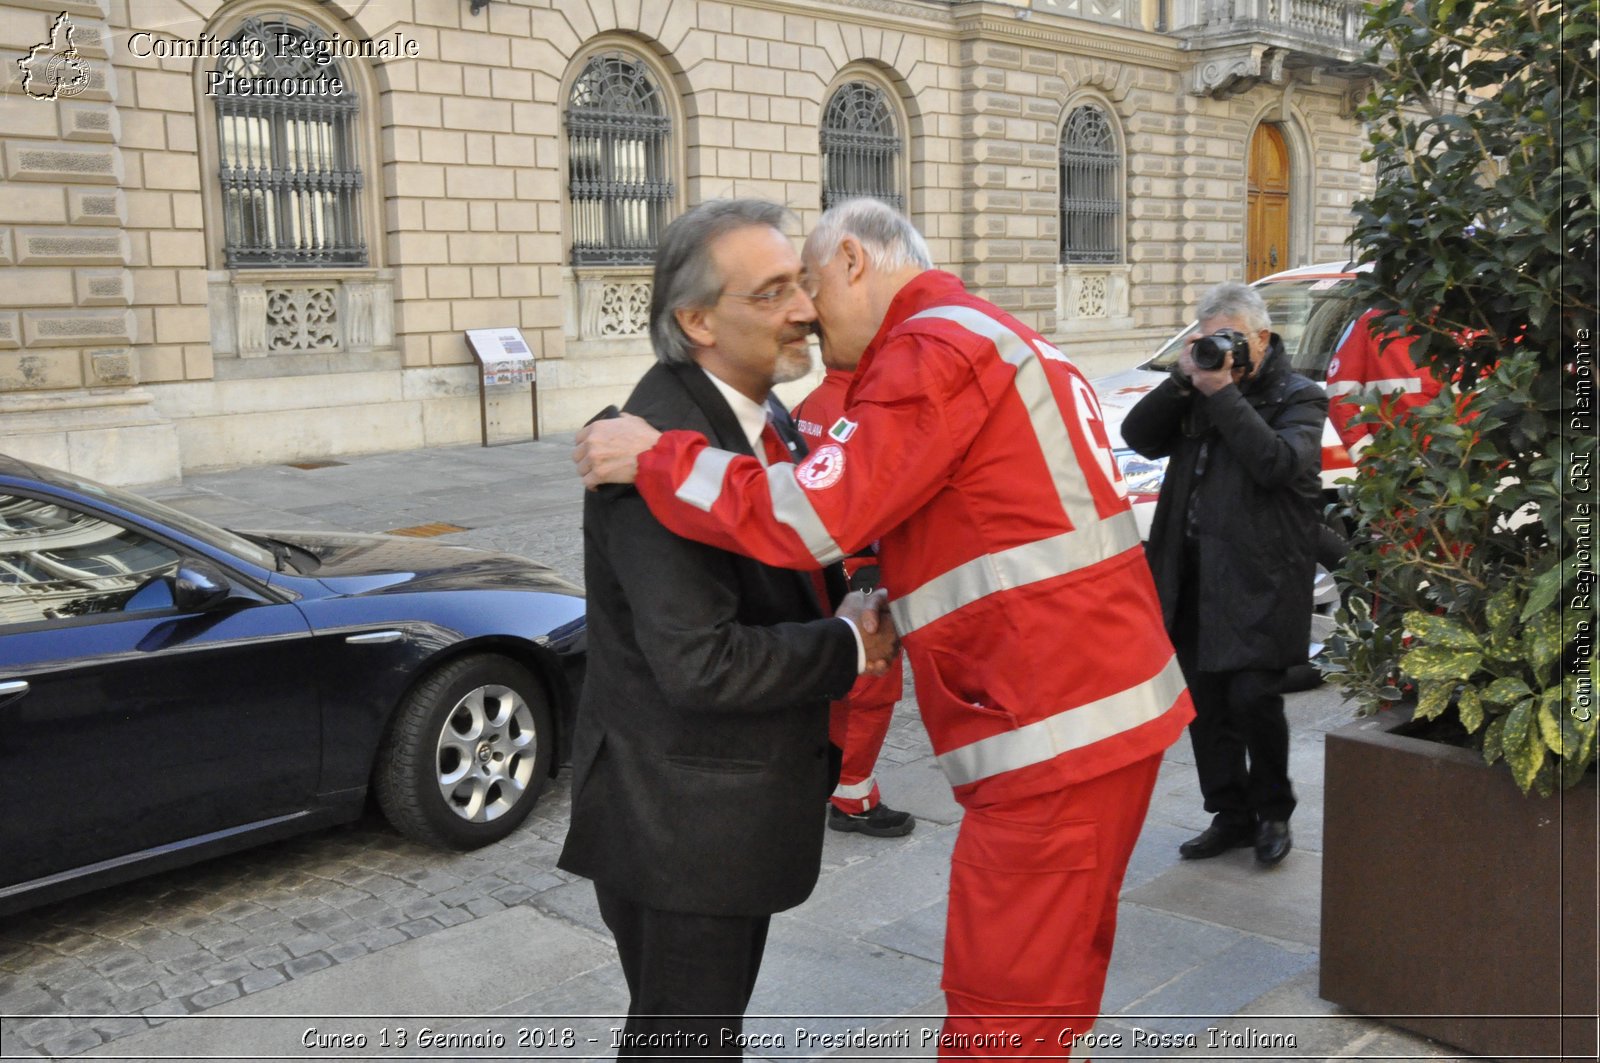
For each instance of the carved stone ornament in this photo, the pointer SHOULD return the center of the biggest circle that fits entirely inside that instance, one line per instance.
(1227, 72)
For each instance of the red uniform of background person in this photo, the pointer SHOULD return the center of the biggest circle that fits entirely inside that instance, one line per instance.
(975, 453)
(859, 723)
(1371, 367)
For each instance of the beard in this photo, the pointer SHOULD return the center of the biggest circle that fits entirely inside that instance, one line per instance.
(791, 364)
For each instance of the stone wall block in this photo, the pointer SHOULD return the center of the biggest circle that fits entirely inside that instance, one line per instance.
(103, 287)
(97, 206)
(109, 367)
(32, 160)
(10, 331)
(75, 328)
(72, 247)
(90, 122)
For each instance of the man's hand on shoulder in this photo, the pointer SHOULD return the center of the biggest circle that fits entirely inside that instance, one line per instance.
(608, 451)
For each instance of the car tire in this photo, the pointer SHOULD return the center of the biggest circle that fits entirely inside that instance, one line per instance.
(466, 754)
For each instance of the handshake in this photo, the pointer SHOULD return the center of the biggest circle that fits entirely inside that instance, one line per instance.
(870, 614)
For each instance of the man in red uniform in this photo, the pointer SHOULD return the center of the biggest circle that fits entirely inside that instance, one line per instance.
(977, 454)
(858, 723)
(1373, 367)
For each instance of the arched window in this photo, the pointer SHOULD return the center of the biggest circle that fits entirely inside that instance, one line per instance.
(861, 146)
(289, 164)
(618, 173)
(1091, 188)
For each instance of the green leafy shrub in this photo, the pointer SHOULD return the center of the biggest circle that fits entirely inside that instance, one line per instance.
(1471, 575)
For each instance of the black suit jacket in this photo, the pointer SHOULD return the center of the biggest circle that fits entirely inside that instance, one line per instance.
(700, 759)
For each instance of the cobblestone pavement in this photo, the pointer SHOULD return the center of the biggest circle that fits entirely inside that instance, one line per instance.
(92, 969)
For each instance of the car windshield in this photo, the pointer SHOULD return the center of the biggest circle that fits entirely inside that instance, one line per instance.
(1311, 314)
(221, 538)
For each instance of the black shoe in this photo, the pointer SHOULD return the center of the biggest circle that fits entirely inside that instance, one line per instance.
(1214, 841)
(879, 821)
(1272, 841)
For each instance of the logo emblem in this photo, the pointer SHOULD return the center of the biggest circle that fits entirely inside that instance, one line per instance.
(1333, 368)
(822, 469)
(54, 69)
(843, 429)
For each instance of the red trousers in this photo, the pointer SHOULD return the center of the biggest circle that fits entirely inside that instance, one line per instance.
(1033, 914)
(857, 724)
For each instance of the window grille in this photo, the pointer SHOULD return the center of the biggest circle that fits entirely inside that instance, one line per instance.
(290, 169)
(1091, 198)
(618, 134)
(860, 147)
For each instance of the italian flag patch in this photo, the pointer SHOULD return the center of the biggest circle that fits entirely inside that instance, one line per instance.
(842, 429)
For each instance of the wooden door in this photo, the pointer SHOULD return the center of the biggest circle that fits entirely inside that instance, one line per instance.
(1267, 204)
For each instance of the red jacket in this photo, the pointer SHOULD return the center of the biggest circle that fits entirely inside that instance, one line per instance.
(977, 454)
(1369, 368)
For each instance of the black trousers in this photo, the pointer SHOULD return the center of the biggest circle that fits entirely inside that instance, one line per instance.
(689, 977)
(1239, 733)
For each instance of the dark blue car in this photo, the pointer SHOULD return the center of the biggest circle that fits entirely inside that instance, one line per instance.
(170, 690)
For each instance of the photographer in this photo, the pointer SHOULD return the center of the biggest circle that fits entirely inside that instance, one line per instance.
(1232, 549)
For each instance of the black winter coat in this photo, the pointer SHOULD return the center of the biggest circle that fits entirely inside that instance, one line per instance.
(1255, 516)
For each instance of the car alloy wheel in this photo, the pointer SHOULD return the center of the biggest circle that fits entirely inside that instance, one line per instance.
(466, 754)
(485, 753)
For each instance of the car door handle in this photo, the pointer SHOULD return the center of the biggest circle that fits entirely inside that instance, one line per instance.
(13, 688)
(375, 638)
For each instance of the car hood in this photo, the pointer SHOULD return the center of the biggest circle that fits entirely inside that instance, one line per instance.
(365, 564)
(1119, 393)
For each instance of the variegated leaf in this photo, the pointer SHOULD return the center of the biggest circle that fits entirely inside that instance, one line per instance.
(1443, 631)
(1502, 611)
(1506, 690)
(1522, 746)
(1470, 708)
(1549, 717)
(1433, 662)
(1542, 637)
(1433, 697)
(1492, 739)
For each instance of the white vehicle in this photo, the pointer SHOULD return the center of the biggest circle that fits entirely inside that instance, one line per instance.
(1312, 309)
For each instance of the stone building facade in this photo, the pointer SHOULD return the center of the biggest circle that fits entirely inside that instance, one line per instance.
(174, 296)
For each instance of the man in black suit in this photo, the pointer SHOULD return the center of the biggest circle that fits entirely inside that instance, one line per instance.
(701, 763)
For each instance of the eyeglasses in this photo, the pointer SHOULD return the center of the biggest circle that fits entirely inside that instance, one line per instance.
(778, 295)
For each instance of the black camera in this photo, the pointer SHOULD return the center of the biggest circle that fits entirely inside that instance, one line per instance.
(1211, 352)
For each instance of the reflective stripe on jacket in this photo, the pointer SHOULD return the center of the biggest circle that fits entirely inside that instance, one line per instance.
(977, 454)
(1368, 369)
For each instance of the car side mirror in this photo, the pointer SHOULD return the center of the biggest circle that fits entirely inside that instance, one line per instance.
(198, 586)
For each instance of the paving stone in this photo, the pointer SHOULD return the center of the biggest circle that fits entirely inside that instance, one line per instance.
(269, 956)
(483, 906)
(513, 893)
(227, 972)
(217, 994)
(302, 944)
(453, 917)
(418, 927)
(135, 1000)
(25, 1000)
(39, 1031)
(259, 980)
(78, 1041)
(347, 950)
(182, 984)
(304, 965)
(111, 1029)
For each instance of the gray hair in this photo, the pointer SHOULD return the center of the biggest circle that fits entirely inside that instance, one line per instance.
(1236, 300)
(685, 276)
(887, 236)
